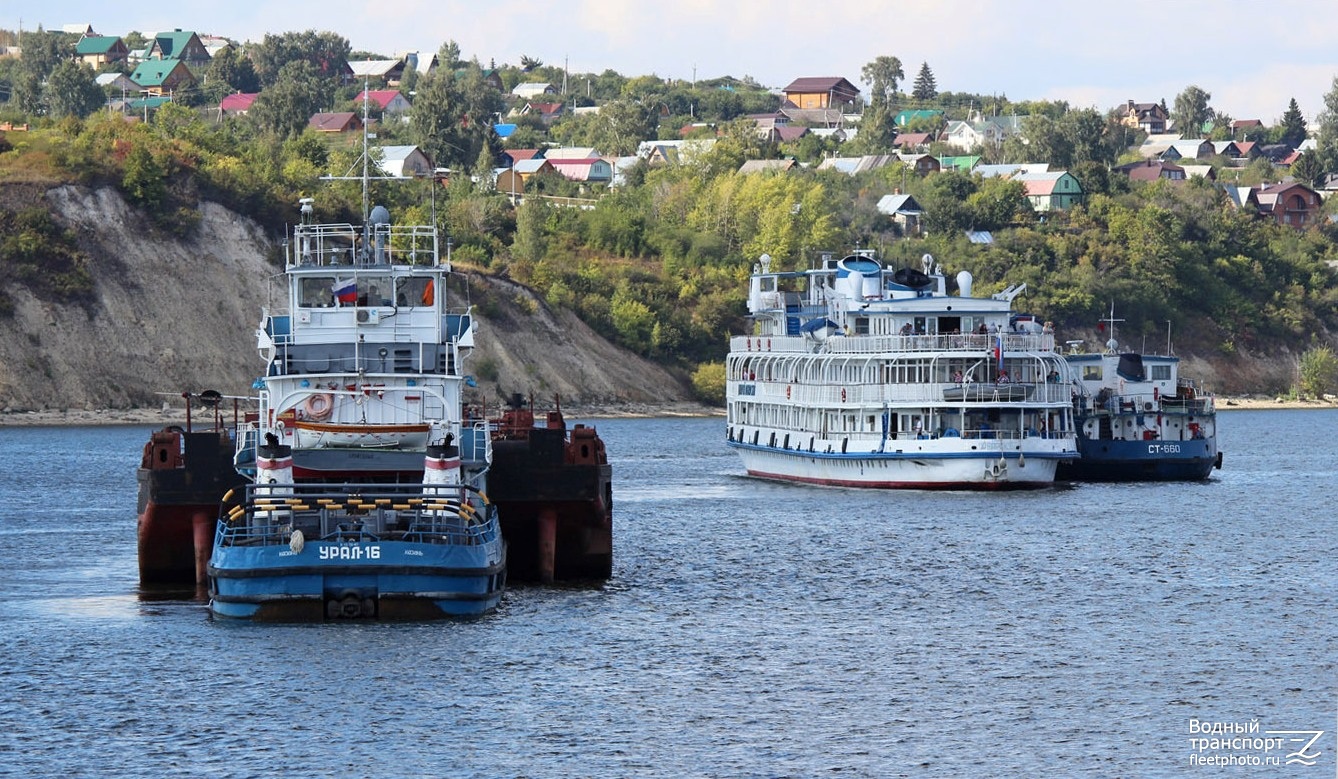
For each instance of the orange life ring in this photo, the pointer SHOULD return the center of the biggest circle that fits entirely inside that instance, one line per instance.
(318, 406)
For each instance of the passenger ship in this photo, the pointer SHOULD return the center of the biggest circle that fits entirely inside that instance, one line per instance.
(857, 375)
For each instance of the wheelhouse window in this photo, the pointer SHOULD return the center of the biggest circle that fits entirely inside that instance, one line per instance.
(416, 291)
(1159, 372)
(316, 292)
(1091, 372)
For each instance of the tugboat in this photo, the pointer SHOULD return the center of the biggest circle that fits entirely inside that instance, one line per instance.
(182, 474)
(554, 491)
(859, 375)
(1139, 420)
(369, 498)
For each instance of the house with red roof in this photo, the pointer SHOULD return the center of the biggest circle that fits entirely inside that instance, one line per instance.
(591, 170)
(237, 104)
(387, 101)
(548, 112)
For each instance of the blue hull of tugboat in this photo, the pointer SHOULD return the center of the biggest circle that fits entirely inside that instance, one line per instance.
(1119, 461)
(386, 580)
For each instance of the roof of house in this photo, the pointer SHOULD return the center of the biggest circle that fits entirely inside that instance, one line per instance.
(761, 166)
(333, 121)
(853, 165)
(820, 84)
(1040, 184)
(394, 157)
(96, 44)
(172, 44)
(532, 165)
(378, 68)
(523, 154)
(154, 73)
(571, 153)
(913, 139)
(899, 204)
(381, 98)
(238, 101)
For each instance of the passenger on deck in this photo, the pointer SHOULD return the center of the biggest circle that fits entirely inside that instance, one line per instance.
(1003, 378)
(957, 377)
(906, 329)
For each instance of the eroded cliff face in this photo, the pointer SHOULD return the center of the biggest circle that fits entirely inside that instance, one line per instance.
(174, 315)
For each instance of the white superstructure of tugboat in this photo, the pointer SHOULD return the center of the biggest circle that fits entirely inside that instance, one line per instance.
(862, 376)
(368, 498)
(1139, 420)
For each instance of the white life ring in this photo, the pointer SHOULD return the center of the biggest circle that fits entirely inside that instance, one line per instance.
(318, 406)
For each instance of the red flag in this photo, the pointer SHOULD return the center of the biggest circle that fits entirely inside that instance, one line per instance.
(1101, 327)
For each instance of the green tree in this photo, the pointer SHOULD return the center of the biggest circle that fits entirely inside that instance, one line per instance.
(286, 107)
(143, 178)
(925, 86)
(72, 91)
(230, 71)
(1292, 126)
(1308, 169)
(708, 383)
(1317, 371)
(326, 52)
(1192, 112)
(1328, 128)
(882, 75)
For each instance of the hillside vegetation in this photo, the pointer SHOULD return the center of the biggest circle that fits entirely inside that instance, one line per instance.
(659, 264)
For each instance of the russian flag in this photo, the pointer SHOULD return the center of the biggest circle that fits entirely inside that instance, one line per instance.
(345, 291)
(998, 350)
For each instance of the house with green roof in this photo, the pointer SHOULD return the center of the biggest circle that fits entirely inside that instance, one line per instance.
(162, 77)
(179, 45)
(98, 50)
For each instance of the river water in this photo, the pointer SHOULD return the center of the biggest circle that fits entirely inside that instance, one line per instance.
(750, 629)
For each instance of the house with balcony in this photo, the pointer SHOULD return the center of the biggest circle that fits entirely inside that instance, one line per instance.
(821, 92)
(1290, 203)
(1151, 118)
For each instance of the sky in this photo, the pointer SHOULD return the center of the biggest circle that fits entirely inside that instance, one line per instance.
(1251, 58)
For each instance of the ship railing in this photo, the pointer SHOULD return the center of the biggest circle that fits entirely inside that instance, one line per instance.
(341, 244)
(1151, 403)
(927, 393)
(454, 514)
(882, 344)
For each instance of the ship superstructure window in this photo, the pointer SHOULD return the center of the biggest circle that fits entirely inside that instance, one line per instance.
(1159, 372)
(1091, 372)
(861, 325)
(317, 292)
(416, 291)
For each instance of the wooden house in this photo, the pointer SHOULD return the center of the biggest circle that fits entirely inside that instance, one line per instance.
(96, 51)
(162, 77)
(820, 92)
(512, 180)
(404, 161)
(592, 170)
(180, 46)
(766, 166)
(338, 122)
(387, 73)
(1051, 190)
(904, 211)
